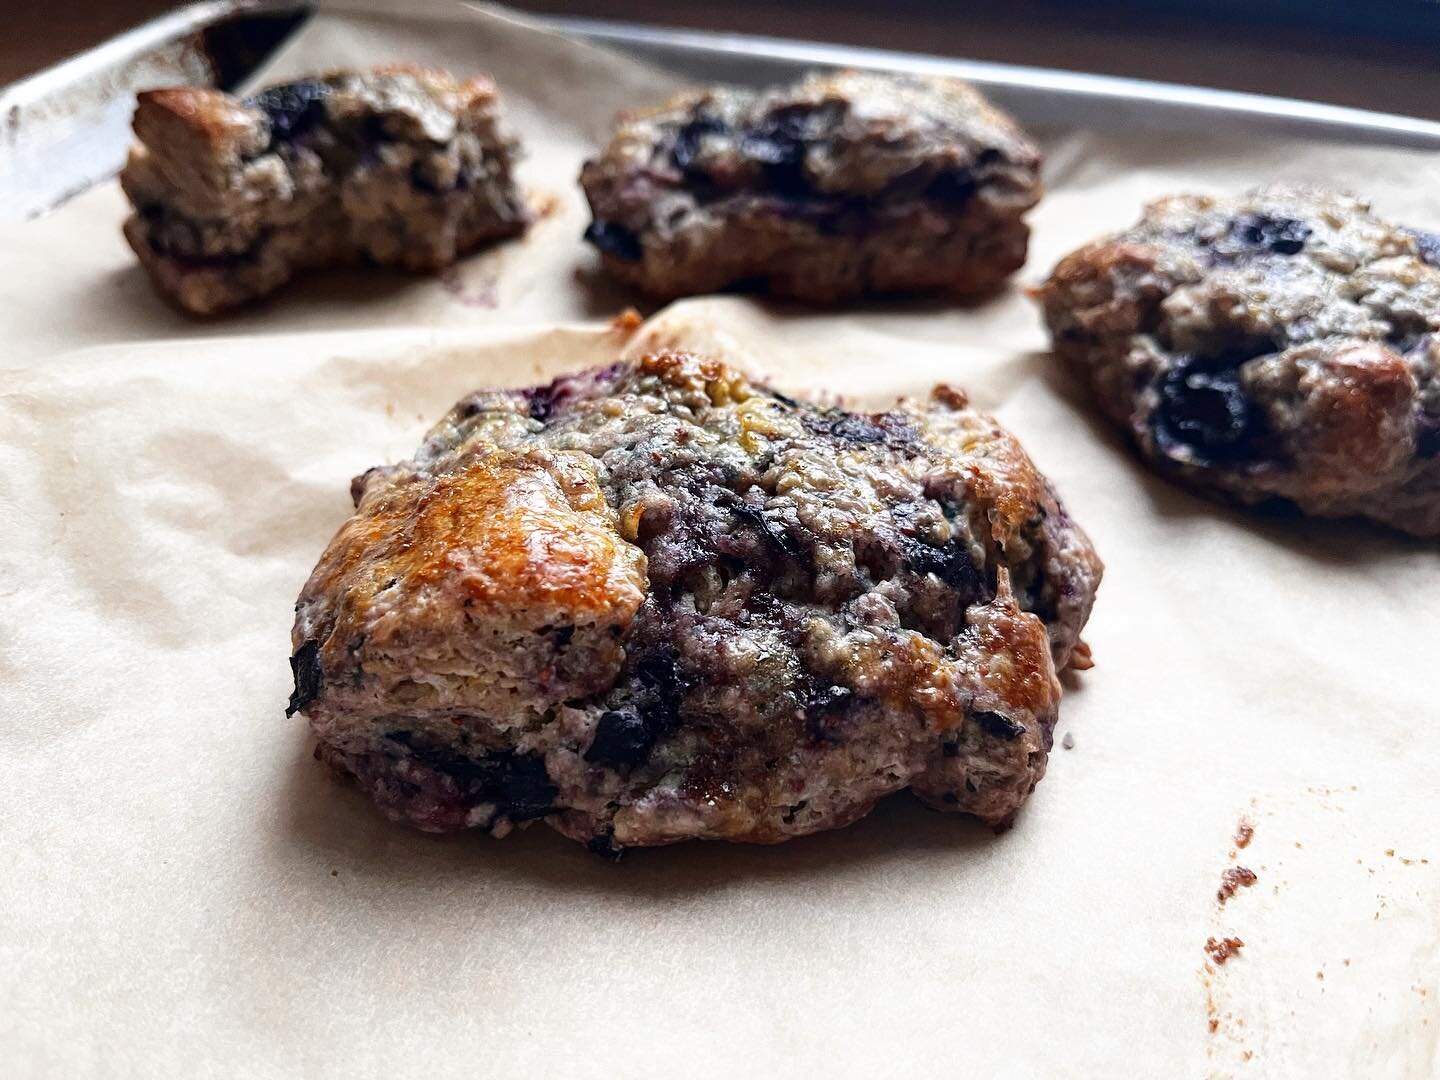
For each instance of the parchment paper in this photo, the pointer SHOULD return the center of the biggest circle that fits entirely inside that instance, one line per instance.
(187, 893)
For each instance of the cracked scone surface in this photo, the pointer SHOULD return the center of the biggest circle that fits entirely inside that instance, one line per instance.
(1281, 345)
(838, 186)
(655, 602)
(396, 166)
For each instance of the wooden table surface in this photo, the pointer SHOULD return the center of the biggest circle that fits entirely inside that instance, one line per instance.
(1364, 69)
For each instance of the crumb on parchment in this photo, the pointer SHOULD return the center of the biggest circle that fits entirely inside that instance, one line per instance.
(1222, 949)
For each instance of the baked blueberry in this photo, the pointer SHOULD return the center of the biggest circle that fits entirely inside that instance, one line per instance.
(839, 186)
(1280, 345)
(671, 604)
(397, 166)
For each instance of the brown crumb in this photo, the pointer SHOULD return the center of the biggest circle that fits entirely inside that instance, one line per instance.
(955, 397)
(1320, 975)
(544, 204)
(627, 322)
(1345, 962)
(1080, 658)
(1390, 851)
(1248, 1054)
(1214, 1024)
(1234, 877)
(1243, 832)
(1222, 950)
(334, 873)
(1298, 844)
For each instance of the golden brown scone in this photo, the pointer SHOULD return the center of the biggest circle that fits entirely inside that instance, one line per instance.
(1280, 345)
(841, 185)
(653, 602)
(397, 166)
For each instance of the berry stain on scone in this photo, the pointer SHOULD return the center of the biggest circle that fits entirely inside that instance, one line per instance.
(839, 186)
(396, 166)
(654, 602)
(1279, 346)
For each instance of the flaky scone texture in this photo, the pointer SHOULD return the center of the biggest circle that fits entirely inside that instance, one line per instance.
(1280, 345)
(395, 166)
(656, 601)
(840, 185)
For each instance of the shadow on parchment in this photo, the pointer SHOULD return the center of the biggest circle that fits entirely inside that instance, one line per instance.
(1336, 541)
(331, 291)
(606, 295)
(334, 824)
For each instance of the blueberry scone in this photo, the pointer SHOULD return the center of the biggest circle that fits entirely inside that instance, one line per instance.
(841, 185)
(397, 166)
(654, 601)
(1280, 346)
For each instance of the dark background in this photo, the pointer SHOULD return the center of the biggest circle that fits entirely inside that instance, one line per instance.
(1378, 54)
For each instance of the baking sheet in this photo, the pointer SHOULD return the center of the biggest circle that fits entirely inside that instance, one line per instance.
(189, 893)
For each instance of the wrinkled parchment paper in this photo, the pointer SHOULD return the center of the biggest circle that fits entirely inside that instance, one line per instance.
(187, 893)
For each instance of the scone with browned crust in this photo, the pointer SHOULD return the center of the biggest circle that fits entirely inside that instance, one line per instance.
(1281, 345)
(838, 186)
(654, 602)
(396, 166)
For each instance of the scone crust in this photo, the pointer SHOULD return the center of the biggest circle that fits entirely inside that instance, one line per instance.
(655, 602)
(840, 185)
(1276, 346)
(233, 197)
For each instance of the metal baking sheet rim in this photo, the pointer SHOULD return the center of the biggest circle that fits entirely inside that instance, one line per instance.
(1038, 96)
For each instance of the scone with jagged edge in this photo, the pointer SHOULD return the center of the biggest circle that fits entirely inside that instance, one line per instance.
(839, 186)
(655, 601)
(1276, 346)
(396, 166)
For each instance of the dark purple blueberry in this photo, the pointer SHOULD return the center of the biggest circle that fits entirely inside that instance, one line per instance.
(653, 663)
(1429, 244)
(293, 108)
(1427, 435)
(373, 129)
(614, 240)
(829, 700)
(779, 141)
(771, 530)
(821, 704)
(309, 678)
(422, 179)
(843, 216)
(467, 772)
(950, 563)
(622, 740)
(520, 787)
(604, 845)
(517, 784)
(952, 187)
(689, 138)
(892, 430)
(1002, 727)
(1281, 235)
(1208, 412)
(778, 144)
(545, 401)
